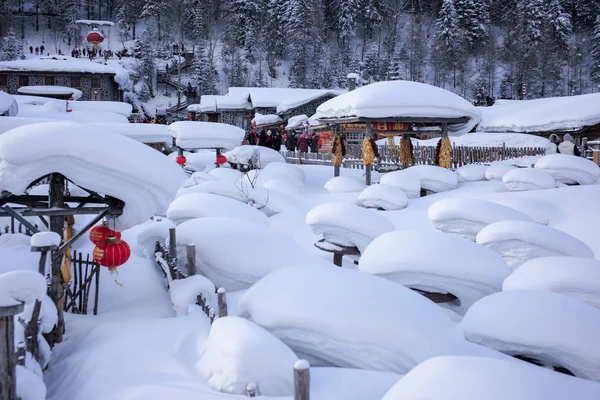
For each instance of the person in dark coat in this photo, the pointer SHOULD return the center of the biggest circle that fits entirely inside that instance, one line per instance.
(269, 141)
(42, 49)
(314, 144)
(37, 51)
(303, 144)
(277, 141)
(291, 142)
(262, 138)
(30, 49)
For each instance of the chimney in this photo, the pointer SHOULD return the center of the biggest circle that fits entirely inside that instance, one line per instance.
(352, 80)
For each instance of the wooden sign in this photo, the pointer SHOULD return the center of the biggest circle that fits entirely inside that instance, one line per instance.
(377, 126)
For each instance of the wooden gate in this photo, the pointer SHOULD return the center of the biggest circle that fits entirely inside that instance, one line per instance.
(85, 274)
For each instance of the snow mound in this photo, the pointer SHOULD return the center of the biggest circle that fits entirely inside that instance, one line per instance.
(282, 186)
(206, 135)
(266, 119)
(271, 202)
(221, 188)
(436, 179)
(286, 169)
(402, 99)
(466, 217)
(149, 233)
(8, 105)
(21, 287)
(258, 156)
(519, 241)
(347, 224)
(296, 122)
(238, 352)
(496, 172)
(145, 133)
(390, 329)
(569, 169)
(184, 292)
(199, 177)
(202, 205)
(107, 163)
(344, 184)
(409, 182)
(117, 107)
(258, 177)
(45, 239)
(549, 327)
(29, 385)
(538, 210)
(437, 263)
(520, 179)
(258, 250)
(383, 196)
(571, 276)
(460, 378)
(224, 174)
(471, 172)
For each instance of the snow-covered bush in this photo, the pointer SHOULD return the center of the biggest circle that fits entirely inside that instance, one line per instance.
(409, 182)
(436, 179)
(496, 172)
(569, 169)
(520, 179)
(471, 172)
(344, 184)
(383, 196)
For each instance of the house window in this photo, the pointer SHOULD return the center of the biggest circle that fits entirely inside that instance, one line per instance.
(23, 80)
(75, 81)
(3, 81)
(49, 80)
(96, 83)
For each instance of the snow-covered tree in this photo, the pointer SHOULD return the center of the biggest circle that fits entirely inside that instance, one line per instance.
(346, 19)
(448, 42)
(12, 48)
(472, 18)
(204, 73)
(398, 68)
(595, 64)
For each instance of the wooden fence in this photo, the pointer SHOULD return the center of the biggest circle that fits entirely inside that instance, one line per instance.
(78, 292)
(422, 155)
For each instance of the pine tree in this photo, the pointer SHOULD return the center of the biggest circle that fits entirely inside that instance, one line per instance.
(595, 56)
(530, 25)
(448, 42)
(204, 72)
(11, 47)
(346, 20)
(472, 17)
(398, 68)
(481, 90)
(372, 66)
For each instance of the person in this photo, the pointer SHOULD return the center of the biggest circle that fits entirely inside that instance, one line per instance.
(314, 144)
(290, 145)
(262, 138)
(554, 139)
(37, 51)
(269, 140)
(120, 55)
(277, 141)
(84, 51)
(42, 49)
(302, 144)
(568, 146)
(30, 49)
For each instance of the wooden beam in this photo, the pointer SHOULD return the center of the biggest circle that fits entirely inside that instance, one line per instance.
(57, 223)
(19, 218)
(59, 211)
(82, 231)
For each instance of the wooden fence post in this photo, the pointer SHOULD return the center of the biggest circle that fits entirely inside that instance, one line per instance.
(32, 330)
(222, 301)
(191, 259)
(173, 243)
(8, 387)
(301, 380)
(251, 390)
(57, 223)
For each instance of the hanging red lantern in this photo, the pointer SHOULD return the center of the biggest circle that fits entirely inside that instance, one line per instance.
(254, 124)
(249, 116)
(101, 232)
(181, 160)
(221, 159)
(111, 253)
(95, 37)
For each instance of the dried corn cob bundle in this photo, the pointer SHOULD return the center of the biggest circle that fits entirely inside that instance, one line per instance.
(405, 151)
(446, 153)
(337, 155)
(367, 152)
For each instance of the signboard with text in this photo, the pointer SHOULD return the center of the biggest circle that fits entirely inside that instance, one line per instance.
(377, 126)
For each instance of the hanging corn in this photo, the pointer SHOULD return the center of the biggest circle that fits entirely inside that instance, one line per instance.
(68, 233)
(406, 156)
(446, 153)
(391, 143)
(367, 150)
(337, 155)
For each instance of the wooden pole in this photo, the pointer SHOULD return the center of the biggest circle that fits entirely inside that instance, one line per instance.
(368, 167)
(57, 223)
(173, 244)
(191, 259)
(336, 168)
(301, 380)
(337, 259)
(218, 154)
(97, 291)
(32, 329)
(222, 301)
(8, 387)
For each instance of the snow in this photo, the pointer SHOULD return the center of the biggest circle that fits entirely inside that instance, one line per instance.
(496, 172)
(50, 90)
(6, 124)
(351, 319)
(29, 385)
(199, 177)
(206, 135)
(271, 97)
(344, 184)
(69, 64)
(184, 292)
(406, 180)
(437, 263)
(282, 186)
(266, 119)
(554, 114)
(144, 133)
(147, 234)
(94, 22)
(224, 174)
(549, 327)
(260, 156)
(570, 276)
(270, 202)
(519, 241)
(9, 240)
(296, 122)
(436, 179)
(394, 99)
(21, 286)
(8, 105)
(106, 163)
(538, 210)
(460, 378)
(50, 111)
(383, 196)
(221, 188)
(238, 352)
(520, 179)
(45, 239)
(570, 169)
(347, 224)
(118, 107)
(258, 177)
(353, 75)
(286, 169)
(466, 217)
(301, 99)
(471, 172)
(203, 205)
(258, 250)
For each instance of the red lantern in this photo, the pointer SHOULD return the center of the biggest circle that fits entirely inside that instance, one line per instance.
(111, 253)
(100, 233)
(254, 124)
(249, 116)
(221, 159)
(181, 160)
(95, 37)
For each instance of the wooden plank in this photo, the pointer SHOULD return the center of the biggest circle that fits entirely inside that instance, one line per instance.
(301, 380)
(222, 302)
(8, 390)
(83, 279)
(97, 293)
(191, 259)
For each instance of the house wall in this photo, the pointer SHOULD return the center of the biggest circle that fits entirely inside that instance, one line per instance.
(235, 118)
(265, 110)
(308, 109)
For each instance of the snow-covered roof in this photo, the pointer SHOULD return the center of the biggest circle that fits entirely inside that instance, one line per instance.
(273, 97)
(69, 64)
(51, 90)
(8, 105)
(206, 135)
(145, 133)
(94, 22)
(570, 113)
(396, 99)
(117, 107)
(296, 122)
(303, 98)
(266, 119)
(93, 158)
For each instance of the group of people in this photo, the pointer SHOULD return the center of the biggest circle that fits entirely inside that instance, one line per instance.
(292, 141)
(38, 50)
(272, 140)
(567, 146)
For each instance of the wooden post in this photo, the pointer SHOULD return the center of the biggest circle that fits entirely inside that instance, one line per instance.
(218, 154)
(336, 168)
(301, 380)
(32, 330)
(173, 244)
(251, 390)
(20, 355)
(57, 224)
(191, 259)
(8, 387)
(97, 291)
(368, 167)
(337, 259)
(222, 301)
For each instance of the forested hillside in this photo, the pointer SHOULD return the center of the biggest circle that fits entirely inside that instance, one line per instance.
(477, 48)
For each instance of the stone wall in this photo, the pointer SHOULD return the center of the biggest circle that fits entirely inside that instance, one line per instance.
(265, 110)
